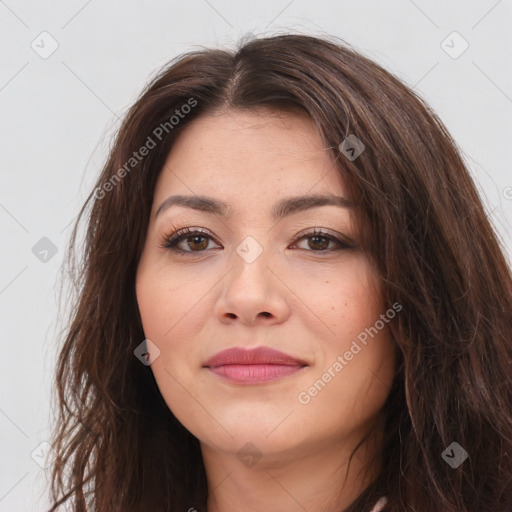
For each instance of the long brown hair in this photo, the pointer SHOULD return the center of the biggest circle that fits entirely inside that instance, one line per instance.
(422, 225)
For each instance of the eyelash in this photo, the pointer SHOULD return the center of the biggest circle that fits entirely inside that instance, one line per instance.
(170, 241)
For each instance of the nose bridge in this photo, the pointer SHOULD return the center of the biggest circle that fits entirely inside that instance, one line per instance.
(250, 260)
(250, 288)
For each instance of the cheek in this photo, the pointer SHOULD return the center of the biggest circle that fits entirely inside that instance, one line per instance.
(164, 300)
(153, 302)
(172, 315)
(343, 399)
(163, 308)
(346, 299)
(359, 384)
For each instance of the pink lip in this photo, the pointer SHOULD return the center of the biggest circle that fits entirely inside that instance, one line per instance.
(258, 365)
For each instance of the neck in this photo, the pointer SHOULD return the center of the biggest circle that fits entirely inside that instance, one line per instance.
(313, 478)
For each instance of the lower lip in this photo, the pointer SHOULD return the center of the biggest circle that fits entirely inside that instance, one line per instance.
(254, 373)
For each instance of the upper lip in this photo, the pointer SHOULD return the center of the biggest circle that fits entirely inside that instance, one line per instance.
(260, 355)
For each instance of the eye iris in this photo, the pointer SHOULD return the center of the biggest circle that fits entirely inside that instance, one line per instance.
(195, 240)
(317, 237)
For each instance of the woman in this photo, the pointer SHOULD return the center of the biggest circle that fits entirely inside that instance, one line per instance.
(290, 298)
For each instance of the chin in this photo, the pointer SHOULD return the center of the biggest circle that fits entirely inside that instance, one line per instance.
(233, 434)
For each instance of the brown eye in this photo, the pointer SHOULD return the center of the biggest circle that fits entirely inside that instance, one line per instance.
(187, 240)
(197, 242)
(318, 241)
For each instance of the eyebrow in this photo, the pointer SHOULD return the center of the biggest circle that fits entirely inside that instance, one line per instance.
(281, 209)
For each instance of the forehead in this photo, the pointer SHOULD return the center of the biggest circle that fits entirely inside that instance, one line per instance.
(249, 156)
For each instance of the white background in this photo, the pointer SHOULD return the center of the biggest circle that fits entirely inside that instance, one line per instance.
(58, 114)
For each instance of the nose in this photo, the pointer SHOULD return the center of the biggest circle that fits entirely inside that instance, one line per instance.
(252, 293)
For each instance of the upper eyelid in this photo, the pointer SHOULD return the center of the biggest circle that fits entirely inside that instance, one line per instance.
(305, 232)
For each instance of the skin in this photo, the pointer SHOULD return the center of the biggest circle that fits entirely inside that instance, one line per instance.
(296, 297)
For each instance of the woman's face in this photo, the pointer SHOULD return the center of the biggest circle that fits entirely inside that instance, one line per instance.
(257, 276)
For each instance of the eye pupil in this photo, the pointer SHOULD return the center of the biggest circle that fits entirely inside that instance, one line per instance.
(316, 238)
(195, 240)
